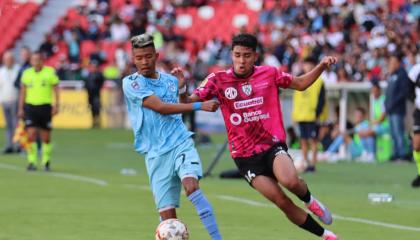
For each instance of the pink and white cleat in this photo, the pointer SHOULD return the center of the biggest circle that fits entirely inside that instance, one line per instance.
(328, 235)
(317, 208)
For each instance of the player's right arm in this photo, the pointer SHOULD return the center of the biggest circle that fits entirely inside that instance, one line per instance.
(154, 103)
(185, 98)
(205, 91)
(22, 96)
(138, 94)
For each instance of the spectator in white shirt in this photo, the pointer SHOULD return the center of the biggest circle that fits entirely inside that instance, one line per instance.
(9, 98)
(119, 31)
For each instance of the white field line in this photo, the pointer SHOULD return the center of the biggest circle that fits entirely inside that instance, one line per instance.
(10, 167)
(223, 197)
(96, 181)
(338, 217)
(141, 187)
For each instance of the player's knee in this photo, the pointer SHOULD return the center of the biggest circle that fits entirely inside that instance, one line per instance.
(291, 184)
(190, 189)
(190, 185)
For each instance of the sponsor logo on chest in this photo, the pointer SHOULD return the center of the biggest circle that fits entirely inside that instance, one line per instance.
(231, 93)
(248, 103)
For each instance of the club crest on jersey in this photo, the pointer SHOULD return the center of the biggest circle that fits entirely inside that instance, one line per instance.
(231, 93)
(171, 87)
(135, 85)
(247, 89)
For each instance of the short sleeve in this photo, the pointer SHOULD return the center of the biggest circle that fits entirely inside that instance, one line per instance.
(135, 90)
(25, 77)
(414, 73)
(207, 89)
(282, 79)
(54, 78)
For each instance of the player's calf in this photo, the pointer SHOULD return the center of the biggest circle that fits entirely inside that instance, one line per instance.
(203, 207)
(312, 226)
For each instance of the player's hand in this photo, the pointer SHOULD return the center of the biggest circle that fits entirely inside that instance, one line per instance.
(54, 110)
(179, 73)
(21, 114)
(328, 61)
(210, 106)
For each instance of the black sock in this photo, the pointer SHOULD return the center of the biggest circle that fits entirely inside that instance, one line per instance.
(307, 197)
(312, 226)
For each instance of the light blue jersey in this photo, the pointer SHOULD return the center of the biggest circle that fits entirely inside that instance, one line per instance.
(154, 134)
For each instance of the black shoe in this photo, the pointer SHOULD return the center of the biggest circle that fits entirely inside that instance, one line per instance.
(31, 167)
(47, 167)
(8, 151)
(310, 169)
(416, 182)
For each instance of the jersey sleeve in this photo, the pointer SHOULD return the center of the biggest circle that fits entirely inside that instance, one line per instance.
(282, 79)
(54, 78)
(207, 89)
(135, 90)
(25, 79)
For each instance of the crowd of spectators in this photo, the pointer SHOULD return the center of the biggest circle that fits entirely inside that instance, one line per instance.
(362, 33)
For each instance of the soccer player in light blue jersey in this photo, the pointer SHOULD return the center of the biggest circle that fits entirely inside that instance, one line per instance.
(160, 134)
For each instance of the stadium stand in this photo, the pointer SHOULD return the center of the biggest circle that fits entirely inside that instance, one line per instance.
(14, 18)
(361, 33)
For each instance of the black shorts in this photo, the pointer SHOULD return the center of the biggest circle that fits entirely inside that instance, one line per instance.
(38, 116)
(308, 130)
(416, 126)
(261, 163)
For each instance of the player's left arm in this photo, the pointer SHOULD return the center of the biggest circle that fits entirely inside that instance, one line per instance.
(56, 106)
(55, 84)
(304, 81)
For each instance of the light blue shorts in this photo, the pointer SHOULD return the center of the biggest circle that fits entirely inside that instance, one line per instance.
(167, 171)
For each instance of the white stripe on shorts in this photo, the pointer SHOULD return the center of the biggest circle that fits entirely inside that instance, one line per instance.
(166, 208)
(189, 175)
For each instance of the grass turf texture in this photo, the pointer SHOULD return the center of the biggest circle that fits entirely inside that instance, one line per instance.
(41, 206)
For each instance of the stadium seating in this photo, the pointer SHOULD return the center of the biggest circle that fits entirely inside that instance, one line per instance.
(215, 20)
(15, 17)
(220, 24)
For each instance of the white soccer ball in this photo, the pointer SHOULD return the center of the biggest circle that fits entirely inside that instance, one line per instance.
(172, 229)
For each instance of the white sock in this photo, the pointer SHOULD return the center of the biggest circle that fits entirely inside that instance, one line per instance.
(327, 233)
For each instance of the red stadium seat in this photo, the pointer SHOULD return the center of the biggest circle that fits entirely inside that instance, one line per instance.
(14, 21)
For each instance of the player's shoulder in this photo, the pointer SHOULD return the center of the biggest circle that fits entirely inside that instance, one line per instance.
(48, 69)
(132, 81)
(29, 70)
(266, 69)
(220, 75)
(167, 76)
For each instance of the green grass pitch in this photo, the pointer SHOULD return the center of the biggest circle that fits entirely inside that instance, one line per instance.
(86, 197)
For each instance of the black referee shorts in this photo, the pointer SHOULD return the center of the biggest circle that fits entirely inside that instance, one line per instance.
(416, 116)
(38, 116)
